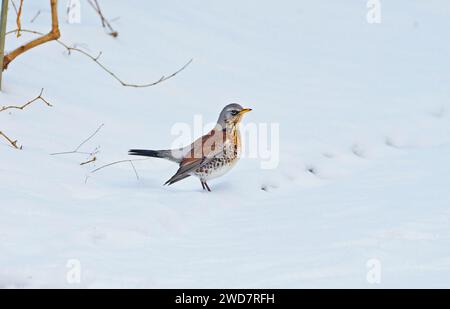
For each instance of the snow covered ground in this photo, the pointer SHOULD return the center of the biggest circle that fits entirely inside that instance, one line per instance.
(364, 133)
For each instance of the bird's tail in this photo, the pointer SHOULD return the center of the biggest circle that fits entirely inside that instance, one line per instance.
(165, 154)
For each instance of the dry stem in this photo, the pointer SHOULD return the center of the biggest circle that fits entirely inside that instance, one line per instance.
(22, 107)
(105, 22)
(11, 141)
(102, 66)
(19, 13)
(118, 162)
(54, 34)
(76, 150)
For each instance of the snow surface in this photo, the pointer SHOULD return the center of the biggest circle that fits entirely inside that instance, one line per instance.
(363, 111)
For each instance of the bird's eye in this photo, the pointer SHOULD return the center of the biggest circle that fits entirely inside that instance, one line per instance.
(234, 113)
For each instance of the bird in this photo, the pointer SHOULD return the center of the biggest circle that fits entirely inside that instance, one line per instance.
(209, 156)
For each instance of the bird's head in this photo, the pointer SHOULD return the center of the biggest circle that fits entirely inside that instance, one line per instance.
(232, 114)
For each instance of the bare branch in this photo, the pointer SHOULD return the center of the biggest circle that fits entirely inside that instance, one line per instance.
(52, 35)
(134, 168)
(94, 158)
(102, 66)
(11, 141)
(22, 107)
(125, 84)
(90, 137)
(119, 162)
(105, 22)
(14, 6)
(76, 150)
(19, 13)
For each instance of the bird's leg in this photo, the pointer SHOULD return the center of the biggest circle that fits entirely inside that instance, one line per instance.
(207, 187)
(203, 185)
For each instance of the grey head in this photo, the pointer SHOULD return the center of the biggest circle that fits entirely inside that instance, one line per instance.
(231, 114)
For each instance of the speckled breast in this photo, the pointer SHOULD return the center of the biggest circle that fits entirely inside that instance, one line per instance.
(220, 164)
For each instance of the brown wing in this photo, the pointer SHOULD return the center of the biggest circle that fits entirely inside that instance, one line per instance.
(202, 151)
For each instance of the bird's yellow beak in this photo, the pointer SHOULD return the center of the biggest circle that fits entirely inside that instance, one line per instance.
(245, 110)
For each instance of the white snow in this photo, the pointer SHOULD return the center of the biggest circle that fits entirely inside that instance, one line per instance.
(363, 111)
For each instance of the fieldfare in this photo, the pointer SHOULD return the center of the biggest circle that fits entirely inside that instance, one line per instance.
(211, 155)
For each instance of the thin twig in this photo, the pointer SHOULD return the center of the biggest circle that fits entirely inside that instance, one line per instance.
(19, 13)
(118, 162)
(89, 161)
(134, 168)
(76, 150)
(105, 22)
(101, 65)
(91, 136)
(22, 107)
(35, 16)
(11, 141)
(14, 6)
(39, 97)
(94, 152)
